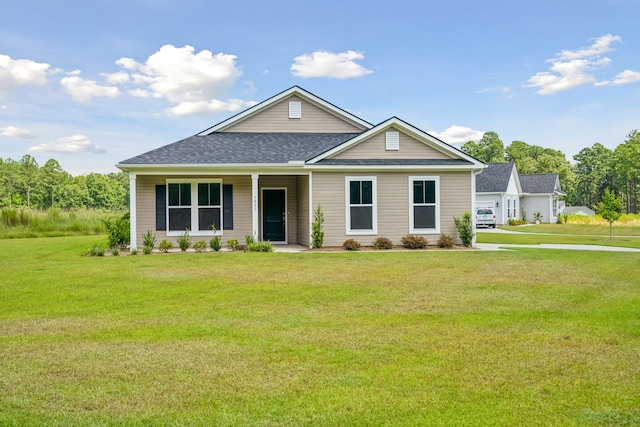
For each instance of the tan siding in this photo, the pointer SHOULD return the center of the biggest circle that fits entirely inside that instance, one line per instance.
(303, 210)
(375, 148)
(393, 204)
(146, 203)
(290, 184)
(276, 119)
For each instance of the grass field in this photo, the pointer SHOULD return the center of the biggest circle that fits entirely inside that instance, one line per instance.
(527, 337)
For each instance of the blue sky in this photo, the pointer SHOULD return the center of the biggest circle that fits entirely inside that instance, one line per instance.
(94, 83)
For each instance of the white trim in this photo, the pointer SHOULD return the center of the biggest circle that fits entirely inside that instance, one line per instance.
(311, 209)
(286, 214)
(374, 205)
(435, 230)
(255, 221)
(474, 206)
(295, 109)
(295, 90)
(133, 211)
(392, 141)
(194, 231)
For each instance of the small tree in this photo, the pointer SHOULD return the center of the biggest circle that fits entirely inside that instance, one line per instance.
(610, 209)
(317, 233)
(464, 226)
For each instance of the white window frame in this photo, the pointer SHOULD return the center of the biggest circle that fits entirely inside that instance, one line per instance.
(194, 207)
(412, 229)
(374, 205)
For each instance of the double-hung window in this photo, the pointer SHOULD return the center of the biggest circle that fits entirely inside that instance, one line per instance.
(361, 205)
(195, 206)
(424, 206)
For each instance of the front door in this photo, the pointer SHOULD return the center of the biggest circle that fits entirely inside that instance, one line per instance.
(274, 218)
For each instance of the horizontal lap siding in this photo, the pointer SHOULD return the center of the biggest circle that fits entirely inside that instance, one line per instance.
(146, 206)
(375, 148)
(276, 119)
(392, 206)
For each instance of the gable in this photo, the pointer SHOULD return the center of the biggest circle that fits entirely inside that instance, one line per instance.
(375, 147)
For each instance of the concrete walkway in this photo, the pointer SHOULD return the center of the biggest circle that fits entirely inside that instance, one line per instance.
(507, 246)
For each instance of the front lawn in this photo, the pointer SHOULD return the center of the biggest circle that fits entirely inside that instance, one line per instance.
(525, 337)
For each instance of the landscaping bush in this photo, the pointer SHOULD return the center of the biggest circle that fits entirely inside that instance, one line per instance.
(412, 241)
(184, 242)
(249, 239)
(115, 251)
(317, 233)
(259, 247)
(513, 221)
(148, 242)
(233, 244)
(96, 250)
(215, 243)
(165, 245)
(200, 246)
(351, 245)
(382, 243)
(465, 229)
(117, 230)
(133, 251)
(445, 241)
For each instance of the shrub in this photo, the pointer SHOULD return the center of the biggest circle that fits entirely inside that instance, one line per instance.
(215, 243)
(233, 244)
(317, 233)
(351, 245)
(259, 247)
(115, 251)
(411, 241)
(165, 245)
(465, 229)
(513, 221)
(382, 243)
(148, 242)
(133, 251)
(200, 246)
(184, 242)
(117, 230)
(249, 239)
(445, 241)
(96, 250)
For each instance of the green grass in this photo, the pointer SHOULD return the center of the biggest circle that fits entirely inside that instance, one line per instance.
(523, 337)
(578, 229)
(30, 223)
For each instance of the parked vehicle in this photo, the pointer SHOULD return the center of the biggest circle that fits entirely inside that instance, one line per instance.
(485, 217)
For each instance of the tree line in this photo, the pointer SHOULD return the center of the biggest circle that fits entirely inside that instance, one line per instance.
(596, 169)
(25, 184)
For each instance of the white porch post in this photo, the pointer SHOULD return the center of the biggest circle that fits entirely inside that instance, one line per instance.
(254, 204)
(132, 210)
(311, 209)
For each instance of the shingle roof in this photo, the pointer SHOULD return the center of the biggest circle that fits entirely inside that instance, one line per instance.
(539, 183)
(394, 162)
(494, 178)
(241, 148)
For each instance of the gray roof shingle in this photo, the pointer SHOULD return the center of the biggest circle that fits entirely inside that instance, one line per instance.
(394, 162)
(494, 178)
(242, 148)
(539, 183)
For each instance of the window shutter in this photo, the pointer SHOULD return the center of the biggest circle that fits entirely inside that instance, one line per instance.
(295, 110)
(227, 204)
(161, 208)
(393, 141)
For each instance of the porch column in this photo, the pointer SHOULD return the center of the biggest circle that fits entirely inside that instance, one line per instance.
(254, 204)
(132, 211)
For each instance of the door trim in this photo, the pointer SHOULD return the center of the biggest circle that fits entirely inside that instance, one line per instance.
(286, 215)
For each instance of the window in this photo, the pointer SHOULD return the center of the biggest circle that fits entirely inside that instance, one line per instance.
(509, 208)
(194, 205)
(424, 211)
(515, 209)
(392, 141)
(361, 205)
(295, 110)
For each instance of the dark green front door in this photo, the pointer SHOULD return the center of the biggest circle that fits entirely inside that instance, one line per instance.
(273, 215)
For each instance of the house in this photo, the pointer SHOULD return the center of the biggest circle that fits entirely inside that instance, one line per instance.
(577, 210)
(498, 186)
(264, 171)
(541, 193)
(514, 195)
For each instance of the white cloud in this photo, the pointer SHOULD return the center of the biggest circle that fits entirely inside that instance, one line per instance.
(118, 78)
(83, 90)
(627, 76)
(16, 132)
(204, 108)
(328, 64)
(458, 134)
(573, 68)
(21, 72)
(69, 145)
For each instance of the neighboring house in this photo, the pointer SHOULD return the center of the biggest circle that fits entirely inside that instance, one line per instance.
(498, 186)
(577, 210)
(265, 170)
(541, 193)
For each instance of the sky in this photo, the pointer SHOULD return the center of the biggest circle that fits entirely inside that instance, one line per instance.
(92, 83)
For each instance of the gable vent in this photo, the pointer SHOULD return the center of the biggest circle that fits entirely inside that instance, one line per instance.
(295, 110)
(393, 141)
